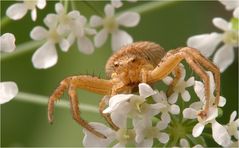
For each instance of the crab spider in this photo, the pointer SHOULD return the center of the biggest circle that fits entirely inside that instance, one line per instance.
(135, 63)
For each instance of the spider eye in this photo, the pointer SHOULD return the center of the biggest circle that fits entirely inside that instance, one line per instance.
(116, 64)
(133, 60)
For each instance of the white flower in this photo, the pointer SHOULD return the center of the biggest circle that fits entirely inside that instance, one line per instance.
(7, 42)
(111, 24)
(174, 109)
(145, 133)
(232, 5)
(219, 133)
(122, 136)
(233, 125)
(73, 25)
(199, 90)
(208, 43)
(19, 10)
(118, 3)
(180, 87)
(8, 90)
(46, 55)
(123, 105)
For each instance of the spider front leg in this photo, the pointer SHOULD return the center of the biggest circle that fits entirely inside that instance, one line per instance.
(89, 83)
(193, 58)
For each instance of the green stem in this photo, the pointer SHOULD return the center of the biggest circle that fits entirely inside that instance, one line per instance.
(66, 2)
(21, 49)
(150, 6)
(42, 100)
(4, 21)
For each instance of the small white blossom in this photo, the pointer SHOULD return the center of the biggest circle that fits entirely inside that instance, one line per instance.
(180, 87)
(111, 24)
(7, 42)
(19, 10)
(8, 90)
(123, 105)
(233, 125)
(199, 90)
(145, 133)
(232, 5)
(46, 55)
(122, 136)
(160, 97)
(208, 43)
(118, 3)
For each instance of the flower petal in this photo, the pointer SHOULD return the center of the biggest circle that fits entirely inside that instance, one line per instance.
(7, 42)
(221, 23)
(190, 82)
(120, 38)
(129, 19)
(230, 5)
(38, 33)
(41, 4)
(59, 8)
(168, 80)
(205, 43)
(212, 114)
(197, 105)
(184, 143)
(17, 11)
(163, 138)
(222, 101)
(174, 109)
(74, 14)
(197, 129)
(173, 98)
(145, 90)
(224, 57)
(64, 45)
(233, 116)
(119, 116)
(145, 143)
(45, 56)
(96, 21)
(116, 100)
(8, 90)
(51, 20)
(220, 134)
(199, 90)
(162, 125)
(90, 140)
(34, 14)
(109, 10)
(85, 45)
(100, 38)
(189, 113)
(236, 12)
(165, 117)
(116, 3)
(186, 96)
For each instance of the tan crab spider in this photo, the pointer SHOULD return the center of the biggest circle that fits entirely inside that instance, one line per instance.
(135, 63)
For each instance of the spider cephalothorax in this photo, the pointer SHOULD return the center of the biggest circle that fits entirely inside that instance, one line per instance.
(135, 63)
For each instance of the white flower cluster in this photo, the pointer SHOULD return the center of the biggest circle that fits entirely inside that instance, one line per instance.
(66, 28)
(150, 116)
(208, 43)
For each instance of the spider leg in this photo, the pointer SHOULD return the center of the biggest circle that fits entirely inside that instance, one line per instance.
(209, 65)
(102, 105)
(193, 58)
(178, 74)
(89, 83)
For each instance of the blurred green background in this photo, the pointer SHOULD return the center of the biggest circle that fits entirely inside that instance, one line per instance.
(25, 124)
